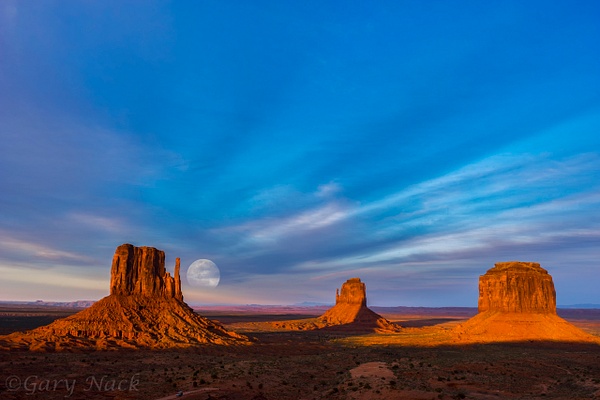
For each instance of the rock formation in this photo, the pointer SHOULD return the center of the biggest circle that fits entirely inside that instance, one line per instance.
(517, 302)
(353, 292)
(145, 309)
(350, 313)
(141, 270)
(517, 287)
(350, 304)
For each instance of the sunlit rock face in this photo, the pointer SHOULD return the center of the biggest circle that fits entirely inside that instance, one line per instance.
(518, 287)
(145, 309)
(141, 270)
(353, 291)
(351, 310)
(517, 302)
(350, 314)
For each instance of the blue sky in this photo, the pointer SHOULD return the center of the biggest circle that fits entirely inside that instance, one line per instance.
(298, 144)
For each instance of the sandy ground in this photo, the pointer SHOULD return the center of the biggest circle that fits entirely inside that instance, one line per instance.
(315, 365)
(190, 394)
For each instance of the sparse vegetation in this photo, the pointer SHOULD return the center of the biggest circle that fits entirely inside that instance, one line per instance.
(309, 367)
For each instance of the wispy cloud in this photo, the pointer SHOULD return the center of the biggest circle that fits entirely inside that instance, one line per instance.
(302, 160)
(22, 281)
(306, 213)
(109, 224)
(58, 276)
(439, 234)
(31, 250)
(269, 230)
(493, 204)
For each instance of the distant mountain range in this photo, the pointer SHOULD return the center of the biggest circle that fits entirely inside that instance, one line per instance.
(63, 304)
(308, 304)
(585, 306)
(312, 304)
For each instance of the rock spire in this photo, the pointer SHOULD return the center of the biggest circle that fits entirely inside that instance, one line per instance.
(145, 309)
(353, 291)
(350, 313)
(141, 270)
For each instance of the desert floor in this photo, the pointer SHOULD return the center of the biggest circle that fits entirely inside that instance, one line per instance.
(309, 365)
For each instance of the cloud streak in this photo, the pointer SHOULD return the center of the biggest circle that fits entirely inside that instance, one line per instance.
(11, 245)
(481, 213)
(295, 150)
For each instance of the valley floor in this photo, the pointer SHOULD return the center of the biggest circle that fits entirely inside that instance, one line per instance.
(312, 365)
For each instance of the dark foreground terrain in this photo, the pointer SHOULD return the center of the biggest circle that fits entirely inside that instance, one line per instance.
(308, 365)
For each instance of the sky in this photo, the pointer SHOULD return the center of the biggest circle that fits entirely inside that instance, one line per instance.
(298, 144)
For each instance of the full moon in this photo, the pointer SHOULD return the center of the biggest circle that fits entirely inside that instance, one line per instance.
(203, 274)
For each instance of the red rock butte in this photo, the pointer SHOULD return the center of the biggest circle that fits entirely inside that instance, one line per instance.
(517, 302)
(145, 309)
(517, 287)
(353, 292)
(350, 313)
(141, 270)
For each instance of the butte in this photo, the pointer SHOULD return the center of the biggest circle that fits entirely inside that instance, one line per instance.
(145, 309)
(517, 302)
(350, 314)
